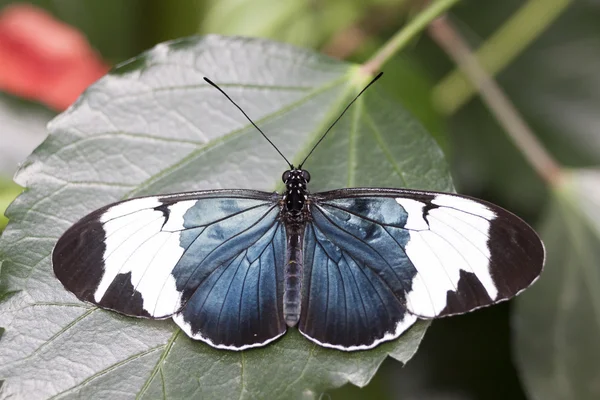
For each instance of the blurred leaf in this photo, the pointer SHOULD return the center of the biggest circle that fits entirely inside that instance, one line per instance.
(112, 26)
(300, 22)
(553, 84)
(22, 128)
(558, 320)
(154, 126)
(8, 191)
(172, 19)
(499, 50)
(562, 94)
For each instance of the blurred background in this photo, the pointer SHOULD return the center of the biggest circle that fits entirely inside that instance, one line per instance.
(544, 53)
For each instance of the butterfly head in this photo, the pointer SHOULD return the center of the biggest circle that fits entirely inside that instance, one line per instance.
(295, 178)
(295, 183)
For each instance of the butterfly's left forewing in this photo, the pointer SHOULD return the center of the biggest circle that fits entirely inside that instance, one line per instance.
(378, 258)
(211, 259)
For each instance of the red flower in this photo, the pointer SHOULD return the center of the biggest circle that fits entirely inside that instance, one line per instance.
(44, 59)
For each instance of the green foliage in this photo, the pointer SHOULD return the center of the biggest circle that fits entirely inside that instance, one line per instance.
(154, 126)
(566, 301)
(551, 82)
(115, 40)
(298, 22)
(555, 321)
(8, 192)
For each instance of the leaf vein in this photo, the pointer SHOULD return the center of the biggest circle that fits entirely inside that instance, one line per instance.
(384, 148)
(107, 370)
(158, 367)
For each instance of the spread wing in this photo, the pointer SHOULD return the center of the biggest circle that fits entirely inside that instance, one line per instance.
(212, 260)
(376, 259)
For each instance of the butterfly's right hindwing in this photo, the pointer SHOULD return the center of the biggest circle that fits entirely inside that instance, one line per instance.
(354, 283)
(210, 259)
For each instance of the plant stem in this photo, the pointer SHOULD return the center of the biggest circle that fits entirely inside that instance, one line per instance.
(406, 34)
(492, 95)
(515, 35)
(349, 40)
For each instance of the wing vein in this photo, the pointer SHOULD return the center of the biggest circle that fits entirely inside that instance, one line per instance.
(224, 242)
(229, 289)
(387, 311)
(357, 291)
(367, 244)
(413, 265)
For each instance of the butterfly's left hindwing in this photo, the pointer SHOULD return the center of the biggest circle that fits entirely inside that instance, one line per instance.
(210, 259)
(375, 259)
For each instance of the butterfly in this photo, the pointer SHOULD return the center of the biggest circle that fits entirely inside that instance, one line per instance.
(350, 268)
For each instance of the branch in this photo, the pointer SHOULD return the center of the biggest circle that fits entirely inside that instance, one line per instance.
(515, 35)
(406, 34)
(492, 95)
(346, 42)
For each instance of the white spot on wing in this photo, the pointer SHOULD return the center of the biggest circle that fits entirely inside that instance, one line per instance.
(122, 244)
(176, 213)
(151, 267)
(414, 211)
(463, 221)
(130, 206)
(115, 225)
(456, 240)
(135, 243)
(427, 297)
(464, 204)
(470, 243)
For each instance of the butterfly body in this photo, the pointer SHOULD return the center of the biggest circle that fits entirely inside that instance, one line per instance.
(295, 214)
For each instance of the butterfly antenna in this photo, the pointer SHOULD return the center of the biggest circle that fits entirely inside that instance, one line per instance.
(338, 118)
(246, 115)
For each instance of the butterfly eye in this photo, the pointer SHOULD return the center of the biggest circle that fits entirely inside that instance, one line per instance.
(306, 176)
(285, 176)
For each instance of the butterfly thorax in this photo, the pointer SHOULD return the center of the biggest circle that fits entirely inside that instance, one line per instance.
(295, 196)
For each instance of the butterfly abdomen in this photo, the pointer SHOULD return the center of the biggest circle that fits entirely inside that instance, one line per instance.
(292, 277)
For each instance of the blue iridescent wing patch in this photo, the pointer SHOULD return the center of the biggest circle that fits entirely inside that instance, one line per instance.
(355, 276)
(376, 259)
(211, 260)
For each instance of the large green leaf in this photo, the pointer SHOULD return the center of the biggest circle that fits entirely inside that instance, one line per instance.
(558, 320)
(153, 126)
